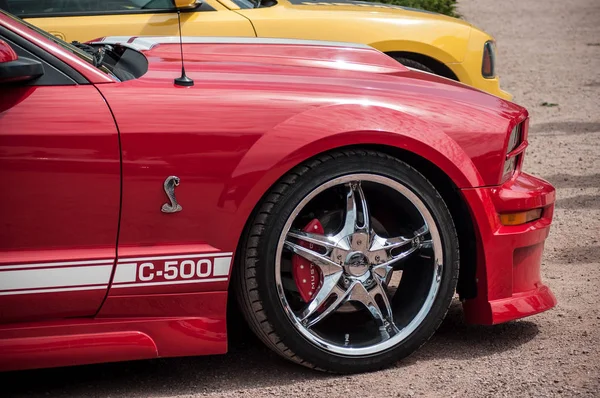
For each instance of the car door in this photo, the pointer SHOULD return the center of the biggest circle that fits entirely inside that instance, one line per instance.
(60, 195)
(84, 20)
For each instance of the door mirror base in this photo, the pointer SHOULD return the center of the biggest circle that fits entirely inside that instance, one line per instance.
(186, 4)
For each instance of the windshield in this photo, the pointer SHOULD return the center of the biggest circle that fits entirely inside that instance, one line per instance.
(69, 47)
(245, 4)
(30, 8)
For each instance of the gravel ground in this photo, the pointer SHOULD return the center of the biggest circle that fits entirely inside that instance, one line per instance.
(548, 52)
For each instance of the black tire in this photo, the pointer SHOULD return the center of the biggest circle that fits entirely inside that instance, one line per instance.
(413, 64)
(254, 280)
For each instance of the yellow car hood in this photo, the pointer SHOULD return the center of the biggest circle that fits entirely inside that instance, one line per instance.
(382, 26)
(366, 6)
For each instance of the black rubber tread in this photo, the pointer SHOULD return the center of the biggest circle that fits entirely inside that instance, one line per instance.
(413, 64)
(248, 290)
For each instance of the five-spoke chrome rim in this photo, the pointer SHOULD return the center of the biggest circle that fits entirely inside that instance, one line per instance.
(356, 265)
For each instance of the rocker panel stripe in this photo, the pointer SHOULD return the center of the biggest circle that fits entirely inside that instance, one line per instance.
(55, 277)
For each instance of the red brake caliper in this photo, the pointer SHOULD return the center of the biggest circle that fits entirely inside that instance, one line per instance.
(308, 276)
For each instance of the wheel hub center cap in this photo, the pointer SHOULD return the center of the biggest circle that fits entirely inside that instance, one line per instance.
(356, 264)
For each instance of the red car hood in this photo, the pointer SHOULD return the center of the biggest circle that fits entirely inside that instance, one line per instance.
(258, 51)
(294, 76)
(267, 57)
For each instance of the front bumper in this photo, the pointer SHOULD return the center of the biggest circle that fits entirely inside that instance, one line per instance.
(492, 86)
(469, 72)
(508, 279)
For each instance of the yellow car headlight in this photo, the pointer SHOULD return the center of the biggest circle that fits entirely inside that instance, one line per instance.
(488, 67)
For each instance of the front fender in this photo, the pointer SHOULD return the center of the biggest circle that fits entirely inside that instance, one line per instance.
(326, 128)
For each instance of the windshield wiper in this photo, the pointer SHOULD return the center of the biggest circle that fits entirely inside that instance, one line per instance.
(96, 53)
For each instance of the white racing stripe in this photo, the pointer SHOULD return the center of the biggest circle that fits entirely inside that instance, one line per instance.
(221, 266)
(153, 271)
(69, 276)
(145, 43)
(55, 277)
(125, 273)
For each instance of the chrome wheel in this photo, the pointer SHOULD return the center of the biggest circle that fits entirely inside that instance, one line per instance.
(349, 262)
(379, 262)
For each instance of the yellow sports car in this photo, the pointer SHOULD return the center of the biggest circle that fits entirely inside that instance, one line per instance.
(423, 40)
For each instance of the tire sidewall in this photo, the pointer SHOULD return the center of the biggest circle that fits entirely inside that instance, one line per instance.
(410, 63)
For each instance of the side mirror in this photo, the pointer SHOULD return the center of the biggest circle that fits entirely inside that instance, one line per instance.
(186, 4)
(15, 69)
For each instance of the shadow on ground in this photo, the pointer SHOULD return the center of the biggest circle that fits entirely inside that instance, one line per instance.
(564, 180)
(248, 365)
(565, 127)
(576, 255)
(459, 341)
(579, 202)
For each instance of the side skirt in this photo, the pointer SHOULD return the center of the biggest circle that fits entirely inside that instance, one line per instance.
(165, 325)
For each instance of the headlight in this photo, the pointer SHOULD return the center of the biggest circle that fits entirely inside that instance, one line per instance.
(510, 164)
(488, 68)
(514, 139)
(509, 168)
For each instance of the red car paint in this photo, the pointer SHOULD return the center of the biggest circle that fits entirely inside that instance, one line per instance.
(83, 168)
(7, 54)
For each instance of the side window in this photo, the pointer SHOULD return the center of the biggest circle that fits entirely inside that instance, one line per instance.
(56, 73)
(29, 8)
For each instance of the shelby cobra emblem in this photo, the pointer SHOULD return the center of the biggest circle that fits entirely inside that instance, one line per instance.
(169, 186)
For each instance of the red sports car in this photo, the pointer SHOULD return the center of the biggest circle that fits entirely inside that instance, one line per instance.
(340, 197)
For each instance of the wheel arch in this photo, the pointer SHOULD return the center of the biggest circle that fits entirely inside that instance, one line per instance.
(451, 54)
(318, 131)
(467, 286)
(438, 67)
(463, 221)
